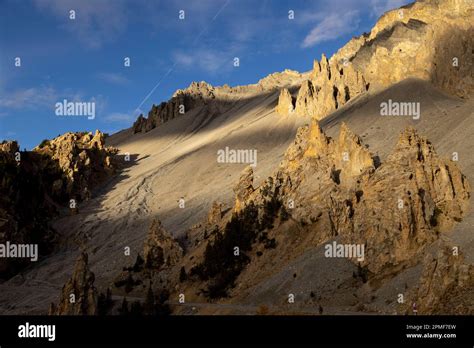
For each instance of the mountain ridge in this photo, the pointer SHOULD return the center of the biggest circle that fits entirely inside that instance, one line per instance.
(345, 172)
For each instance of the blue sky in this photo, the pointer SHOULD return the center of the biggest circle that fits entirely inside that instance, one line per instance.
(83, 59)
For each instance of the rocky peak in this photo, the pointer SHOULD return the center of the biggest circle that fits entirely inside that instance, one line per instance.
(9, 147)
(202, 90)
(394, 210)
(400, 46)
(427, 196)
(198, 94)
(286, 78)
(306, 99)
(83, 158)
(318, 144)
(78, 296)
(438, 178)
(244, 188)
(160, 249)
(98, 141)
(285, 103)
(214, 216)
(351, 155)
(330, 87)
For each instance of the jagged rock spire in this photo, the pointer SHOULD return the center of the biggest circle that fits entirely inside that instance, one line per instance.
(79, 295)
(160, 249)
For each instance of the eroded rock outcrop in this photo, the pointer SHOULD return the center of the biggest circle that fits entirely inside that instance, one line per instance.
(331, 85)
(394, 209)
(285, 103)
(84, 160)
(244, 188)
(9, 147)
(306, 99)
(446, 284)
(431, 40)
(160, 249)
(407, 202)
(79, 295)
(286, 78)
(422, 40)
(214, 216)
(205, 99)
(36, 185)
(183, 100)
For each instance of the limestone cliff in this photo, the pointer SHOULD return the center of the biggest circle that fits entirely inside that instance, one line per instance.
(395, 208)
(431, 40)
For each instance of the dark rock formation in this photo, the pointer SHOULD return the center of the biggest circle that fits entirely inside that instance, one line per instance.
(36, 185)
(78, 296)
(160, 249)
(84, 160)
(197, 94)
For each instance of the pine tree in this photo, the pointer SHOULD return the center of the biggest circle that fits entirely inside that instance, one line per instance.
(149, 306)
(182, 275)
(124, 308)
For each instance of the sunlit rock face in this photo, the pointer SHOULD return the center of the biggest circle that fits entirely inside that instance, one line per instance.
(424, 40)
(395, 208)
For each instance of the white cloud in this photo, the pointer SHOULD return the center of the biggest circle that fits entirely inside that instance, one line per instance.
(332, 27)
(119, 117)
(96, 21)
(210, 60)
(114, 78)
(30, 98)
(334, 19)
(183, 59)
(44, 97)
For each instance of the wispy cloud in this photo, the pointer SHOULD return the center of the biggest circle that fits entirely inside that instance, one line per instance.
(44, 98)
(210, 60)
(30, 98)
(119, 117)
(96, 22)
(332, 20)
(332, 27)
(114, 78)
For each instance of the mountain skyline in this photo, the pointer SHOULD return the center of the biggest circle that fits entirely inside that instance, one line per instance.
(339, 190)
(82, 59)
